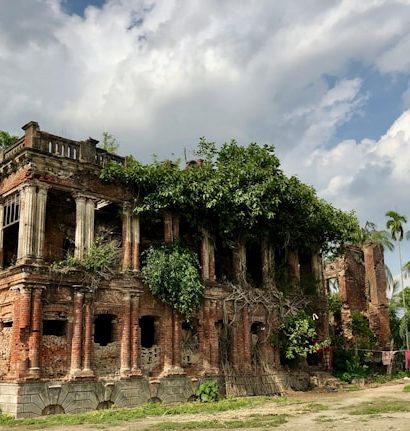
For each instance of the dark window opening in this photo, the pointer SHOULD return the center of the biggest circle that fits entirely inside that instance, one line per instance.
(54, 327)
(60, 225)
(8, 324)
(104, 329)
(151, 231)
(189, 235)
(308, 282)
(108, 222)
(281, 267)
(148, 336)
(254, 264)
(223, 262)
(224, 330)
(10, 244)
(257, 327)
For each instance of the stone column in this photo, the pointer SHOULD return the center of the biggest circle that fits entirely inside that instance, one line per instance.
(1, 234)
(76, 341)
(88, 338)
(126, 337)
(135, 336)
(206, 256)
(135, 240)
(35, 333)
(80, 226)
(126, 236)
(41, 221)
(26, 236)
(89, 223)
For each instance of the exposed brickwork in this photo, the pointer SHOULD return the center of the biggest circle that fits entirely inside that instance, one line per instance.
(362, 288)
(55, 328)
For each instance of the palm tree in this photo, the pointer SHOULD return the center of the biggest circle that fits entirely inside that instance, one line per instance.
(369, 233)
(395, 225)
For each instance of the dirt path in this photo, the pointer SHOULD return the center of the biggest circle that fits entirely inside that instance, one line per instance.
(308, 411)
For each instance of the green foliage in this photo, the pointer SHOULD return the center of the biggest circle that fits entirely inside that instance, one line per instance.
(102, 257)
(395, 224)
(237, 191)
(363, 336)
(298, 335)
(370, 234)
(172, 274)
(335, 304)
(109, 143)
(208, 391)
(354, 369)
(6, 140)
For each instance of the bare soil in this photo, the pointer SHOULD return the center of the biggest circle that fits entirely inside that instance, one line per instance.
(306, 411)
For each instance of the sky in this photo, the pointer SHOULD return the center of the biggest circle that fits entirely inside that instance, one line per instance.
(326, 81)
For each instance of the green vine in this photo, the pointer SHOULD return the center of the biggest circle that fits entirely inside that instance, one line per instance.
(172, 274)
(298, 336)
(237, 192)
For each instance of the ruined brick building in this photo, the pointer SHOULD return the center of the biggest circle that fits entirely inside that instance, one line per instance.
(359, 279)
(68, 348)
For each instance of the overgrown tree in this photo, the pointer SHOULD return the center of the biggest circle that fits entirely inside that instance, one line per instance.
(109, 143)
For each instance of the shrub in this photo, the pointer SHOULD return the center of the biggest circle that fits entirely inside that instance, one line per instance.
(208, 391)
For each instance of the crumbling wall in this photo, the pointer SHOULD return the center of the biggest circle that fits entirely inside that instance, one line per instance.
(5, 339)
(54, 356)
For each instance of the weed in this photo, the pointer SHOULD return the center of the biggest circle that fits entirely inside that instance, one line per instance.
(381, 406)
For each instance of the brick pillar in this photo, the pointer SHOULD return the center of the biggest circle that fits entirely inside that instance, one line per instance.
(294, 268)
(35, 333)
(168, 236)
(126, 236)
(135, 336)
(205, 246)
(268, 264)
(26, 236)
(76, 341)
(166, 338)
(80, 202)
(126, 337)
(135, 240)
(204, 336)
(89, 223)
(88, 338)
(177, 333)
(1, 234)
(239, 262)
(213, 338)
(247, 342)
(41, 221)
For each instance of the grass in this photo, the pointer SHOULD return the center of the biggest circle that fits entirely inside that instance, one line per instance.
(381, 406)
(255, 421)
(406, 388)
(116, 416)
(315, 407)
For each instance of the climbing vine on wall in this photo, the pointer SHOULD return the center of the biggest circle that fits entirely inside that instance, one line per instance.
(237, 192)
(172, 274)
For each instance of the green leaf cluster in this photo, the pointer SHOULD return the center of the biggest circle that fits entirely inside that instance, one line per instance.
(298, 335)
(172, 274)
(208, 391)
(237, 192)
(6, 140)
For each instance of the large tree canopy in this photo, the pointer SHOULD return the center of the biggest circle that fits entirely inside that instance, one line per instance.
(237, 192)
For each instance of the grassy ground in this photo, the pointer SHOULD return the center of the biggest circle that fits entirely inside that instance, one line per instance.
(116, 416)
